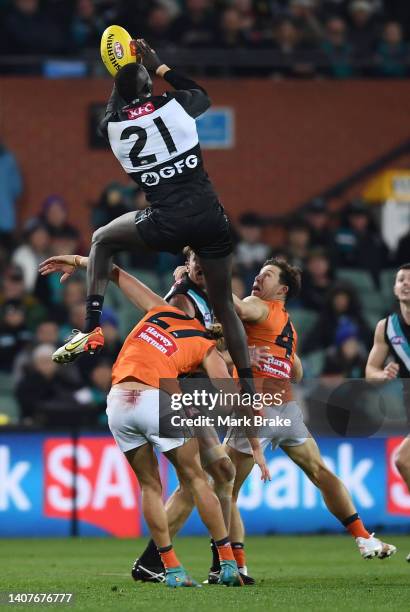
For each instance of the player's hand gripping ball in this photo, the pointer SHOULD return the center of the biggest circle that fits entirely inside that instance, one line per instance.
(117, 49)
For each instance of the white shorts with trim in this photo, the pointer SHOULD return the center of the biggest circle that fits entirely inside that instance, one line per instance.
(294, 434)
(133, 418)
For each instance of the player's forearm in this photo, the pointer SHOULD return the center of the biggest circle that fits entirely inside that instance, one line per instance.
(374, 373)
(176, 79)
(138, 294)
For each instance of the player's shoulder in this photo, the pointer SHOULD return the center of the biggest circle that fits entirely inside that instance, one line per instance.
(380, 329)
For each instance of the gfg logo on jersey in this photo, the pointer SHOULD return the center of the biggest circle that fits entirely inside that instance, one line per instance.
(153, 178)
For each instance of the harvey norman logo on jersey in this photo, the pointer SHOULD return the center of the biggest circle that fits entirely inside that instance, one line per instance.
(152, 178)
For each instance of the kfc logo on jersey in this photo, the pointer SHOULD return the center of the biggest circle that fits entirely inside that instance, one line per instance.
(140, 111)
(118, 50)
(162, 342)
(167, 172)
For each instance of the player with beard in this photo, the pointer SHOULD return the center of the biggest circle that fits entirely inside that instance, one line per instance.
(392, 337)
(267, 322)
(155, 139)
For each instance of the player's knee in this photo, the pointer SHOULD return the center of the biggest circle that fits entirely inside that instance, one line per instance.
(99, 236)
(224, 471)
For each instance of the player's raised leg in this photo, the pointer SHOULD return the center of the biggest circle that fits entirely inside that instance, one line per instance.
(145, 466)
(121, 234)
(337, 498)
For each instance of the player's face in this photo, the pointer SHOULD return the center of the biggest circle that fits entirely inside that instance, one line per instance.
(194, 271)
(267, 285)
(402, 286)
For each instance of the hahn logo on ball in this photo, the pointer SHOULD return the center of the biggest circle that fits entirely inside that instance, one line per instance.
(118, 50)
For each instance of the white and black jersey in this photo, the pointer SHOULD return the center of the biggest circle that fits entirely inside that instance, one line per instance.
(198, 298)
(156, 142)
(397, 336)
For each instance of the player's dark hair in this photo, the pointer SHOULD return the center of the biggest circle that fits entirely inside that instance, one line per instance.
(289, 275)
(132, 81)
(405, 266)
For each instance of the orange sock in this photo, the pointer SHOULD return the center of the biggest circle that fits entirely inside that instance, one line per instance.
(168, 557)
(356, 528)
(225, 550)
(239, 554)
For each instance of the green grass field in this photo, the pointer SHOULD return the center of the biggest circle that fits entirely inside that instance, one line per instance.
(293, 573)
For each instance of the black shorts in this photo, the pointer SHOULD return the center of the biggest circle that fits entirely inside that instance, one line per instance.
(207, 232)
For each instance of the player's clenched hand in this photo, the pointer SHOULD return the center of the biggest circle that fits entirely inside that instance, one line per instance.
(60, 263)
(149, 58)
(391, 371)
(259, 355)
(179, 273)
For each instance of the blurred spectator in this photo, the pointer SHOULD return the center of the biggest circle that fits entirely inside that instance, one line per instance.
(100, 379)
(297, 244)
(27, 29)
(195, 27)
(35, 248)
(46, 332)
(14, 334)
(316, 216)
(348, 356)
(317, 278)
(337, 49)
(292, 54)
(47, 393)
(392, 52)
(342, 307)
(158, 26)
(403, 250)
(54, 215)
(110, 206)
(304, 15)
(74, 293)
(231, 34)
(238, 287)
(13, 290)
(11, 187)
(358, 243)
(87, 25)
(362, 31)
(250, 251)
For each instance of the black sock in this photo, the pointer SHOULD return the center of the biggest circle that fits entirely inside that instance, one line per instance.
(94, 304)
(216, 565)
(350, 519)
(151, 557)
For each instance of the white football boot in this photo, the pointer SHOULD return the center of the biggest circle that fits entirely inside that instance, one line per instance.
(373, 547)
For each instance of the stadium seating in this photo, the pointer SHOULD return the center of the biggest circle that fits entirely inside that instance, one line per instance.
(8, 403)
(303, 320)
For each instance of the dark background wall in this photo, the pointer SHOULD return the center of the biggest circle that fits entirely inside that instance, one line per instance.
(293, 138)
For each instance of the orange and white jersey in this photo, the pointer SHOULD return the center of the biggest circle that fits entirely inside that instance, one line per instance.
(278, 334)
(164, 344)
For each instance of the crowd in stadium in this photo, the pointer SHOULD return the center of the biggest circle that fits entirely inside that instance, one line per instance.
(339, 38)
(337, 252)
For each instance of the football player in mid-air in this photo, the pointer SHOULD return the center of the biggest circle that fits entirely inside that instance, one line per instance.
(392, 337)
(154, 137)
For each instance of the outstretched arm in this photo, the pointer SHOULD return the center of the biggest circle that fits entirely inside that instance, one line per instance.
(251, 309)
(139, 294)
